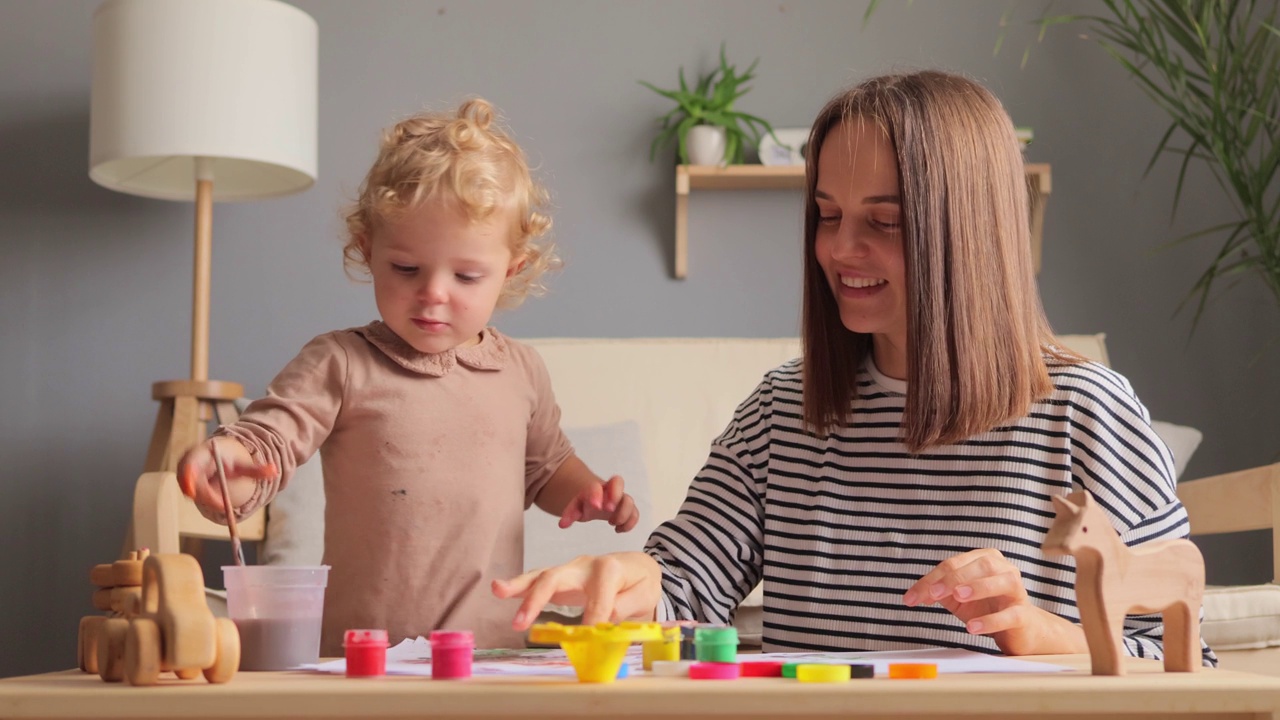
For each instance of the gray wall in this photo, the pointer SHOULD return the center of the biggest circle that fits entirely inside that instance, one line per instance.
(95, 285)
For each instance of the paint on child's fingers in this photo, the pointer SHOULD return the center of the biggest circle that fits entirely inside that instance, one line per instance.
(187, 480)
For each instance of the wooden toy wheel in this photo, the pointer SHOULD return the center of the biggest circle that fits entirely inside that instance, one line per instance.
(87, 643)
(111, 649)
(128, 572)
(102, 576)
(142, 652)
(187, 673)
(227, 656)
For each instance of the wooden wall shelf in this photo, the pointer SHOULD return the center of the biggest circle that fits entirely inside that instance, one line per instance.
(785, 177)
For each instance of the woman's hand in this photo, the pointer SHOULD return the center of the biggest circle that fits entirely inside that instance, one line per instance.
(985, 590)
(609, 588)
(603, 502)
(198, 474)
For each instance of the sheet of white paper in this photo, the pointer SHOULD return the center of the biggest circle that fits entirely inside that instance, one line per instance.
(413, 657)
(947, 660)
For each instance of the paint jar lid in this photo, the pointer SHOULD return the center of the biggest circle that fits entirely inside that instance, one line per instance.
(453, 638)
(714, 671)
(762, 668)
(365, 638)
(716, 636)
(823, 673)
(862, 671)
(913, 670)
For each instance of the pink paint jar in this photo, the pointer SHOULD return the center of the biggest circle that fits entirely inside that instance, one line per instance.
(366, 652)
(451, 653)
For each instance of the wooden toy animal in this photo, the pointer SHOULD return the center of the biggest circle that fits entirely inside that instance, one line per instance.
(1112, 580)
(168, 627)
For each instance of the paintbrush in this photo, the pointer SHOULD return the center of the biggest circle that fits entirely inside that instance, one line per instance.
(231, 514)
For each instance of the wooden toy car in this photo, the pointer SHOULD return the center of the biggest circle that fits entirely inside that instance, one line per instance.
(119, 589)
(167, 627)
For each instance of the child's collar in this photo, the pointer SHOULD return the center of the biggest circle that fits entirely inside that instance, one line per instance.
(489, 354)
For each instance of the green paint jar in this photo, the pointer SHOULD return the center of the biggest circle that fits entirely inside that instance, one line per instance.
(716, 644)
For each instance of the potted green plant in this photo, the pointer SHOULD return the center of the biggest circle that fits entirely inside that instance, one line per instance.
(706, 127)
(1214, 67)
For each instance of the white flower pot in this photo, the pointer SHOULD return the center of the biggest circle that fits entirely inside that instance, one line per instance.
(704, 144)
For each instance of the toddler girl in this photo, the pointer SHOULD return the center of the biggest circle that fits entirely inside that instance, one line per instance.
(435, 431)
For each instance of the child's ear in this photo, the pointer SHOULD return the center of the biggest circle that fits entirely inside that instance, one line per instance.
(366, 247)
(517, 264)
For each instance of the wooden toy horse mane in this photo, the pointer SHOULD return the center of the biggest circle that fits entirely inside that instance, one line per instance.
(1112, 580)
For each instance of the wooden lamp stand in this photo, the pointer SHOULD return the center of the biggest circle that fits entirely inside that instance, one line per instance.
(186, 406)
(184, 91)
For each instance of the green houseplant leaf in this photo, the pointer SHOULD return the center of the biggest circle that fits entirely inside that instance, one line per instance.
(710, 102)
(1213, 66)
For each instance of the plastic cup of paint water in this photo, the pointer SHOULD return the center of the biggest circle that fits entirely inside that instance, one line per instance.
(277, 610)
(366, 652)
(451, 654)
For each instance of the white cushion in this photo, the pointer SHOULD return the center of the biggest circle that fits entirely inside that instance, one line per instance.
(613, 449)
(1182, 442)
(681, 392)
(1242, 617)
(749, 622)
(295, 519)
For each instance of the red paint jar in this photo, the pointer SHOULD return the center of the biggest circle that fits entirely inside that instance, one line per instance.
(366, 652)
(451, 654)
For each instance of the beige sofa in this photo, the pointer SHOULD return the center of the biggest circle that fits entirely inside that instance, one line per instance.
(647, 409)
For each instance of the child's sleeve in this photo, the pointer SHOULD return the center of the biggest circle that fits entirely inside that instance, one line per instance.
(293, 419)
(546, 447)
(1128, 469)
(711, 553)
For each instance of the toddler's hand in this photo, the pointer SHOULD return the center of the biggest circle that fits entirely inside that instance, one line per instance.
(603, 502)
(198, 474)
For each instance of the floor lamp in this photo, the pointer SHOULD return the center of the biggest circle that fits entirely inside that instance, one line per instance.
(204, 101)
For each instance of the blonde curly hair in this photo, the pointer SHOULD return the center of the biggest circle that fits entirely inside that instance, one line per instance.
(464, 156)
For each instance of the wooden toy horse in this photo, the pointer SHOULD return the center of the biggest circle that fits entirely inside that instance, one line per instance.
(1112, 580)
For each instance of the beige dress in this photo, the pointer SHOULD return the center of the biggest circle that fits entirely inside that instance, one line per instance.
(429, 463)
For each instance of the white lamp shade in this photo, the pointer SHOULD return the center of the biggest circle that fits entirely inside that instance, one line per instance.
(232, 83)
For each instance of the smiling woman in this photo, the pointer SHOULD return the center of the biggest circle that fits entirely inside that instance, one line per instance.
(893, 487)
(858, 240)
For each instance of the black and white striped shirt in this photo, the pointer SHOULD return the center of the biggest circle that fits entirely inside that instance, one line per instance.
(839, 528)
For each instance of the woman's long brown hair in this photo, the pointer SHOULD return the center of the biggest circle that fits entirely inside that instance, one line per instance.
(976, 331)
